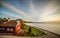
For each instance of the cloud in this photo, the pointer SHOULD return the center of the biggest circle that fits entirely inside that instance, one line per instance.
(11, 15)
(34, 13)
(15, 9)
(49, 9)
(46, 13)
(51, 18)
(27, 17)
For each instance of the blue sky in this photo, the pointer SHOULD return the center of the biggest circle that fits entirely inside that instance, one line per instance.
(31, 10)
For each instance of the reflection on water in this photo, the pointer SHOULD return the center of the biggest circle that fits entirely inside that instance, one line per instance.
(53, 27)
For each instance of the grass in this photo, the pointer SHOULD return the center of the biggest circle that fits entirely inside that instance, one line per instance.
(32, 31)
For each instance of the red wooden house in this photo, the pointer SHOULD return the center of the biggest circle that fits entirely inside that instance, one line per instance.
(11, 26)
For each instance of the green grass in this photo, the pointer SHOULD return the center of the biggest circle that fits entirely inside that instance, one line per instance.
(32, 31)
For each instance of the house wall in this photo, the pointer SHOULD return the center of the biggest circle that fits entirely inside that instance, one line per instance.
(6, 29)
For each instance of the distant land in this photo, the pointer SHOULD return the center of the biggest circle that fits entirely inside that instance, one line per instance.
(44, 22)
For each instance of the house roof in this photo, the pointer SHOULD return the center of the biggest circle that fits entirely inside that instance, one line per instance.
(11, 23)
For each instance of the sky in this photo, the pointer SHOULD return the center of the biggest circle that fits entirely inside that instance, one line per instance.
(31, 10)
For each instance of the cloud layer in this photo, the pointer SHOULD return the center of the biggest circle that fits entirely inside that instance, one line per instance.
(37, 13)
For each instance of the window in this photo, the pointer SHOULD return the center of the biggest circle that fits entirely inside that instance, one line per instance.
(2, 28)
(9, 29)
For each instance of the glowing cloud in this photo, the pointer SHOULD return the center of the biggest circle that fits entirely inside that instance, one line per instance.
(48, 10)
(51, 18)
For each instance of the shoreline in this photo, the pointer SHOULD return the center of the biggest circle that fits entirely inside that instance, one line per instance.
(49, 31)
